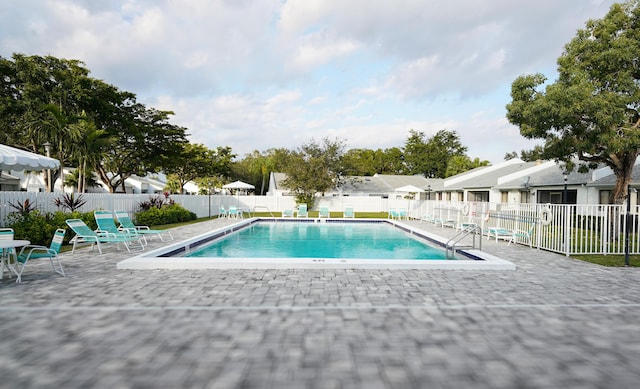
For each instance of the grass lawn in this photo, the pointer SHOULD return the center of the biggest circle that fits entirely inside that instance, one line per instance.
(613, 260)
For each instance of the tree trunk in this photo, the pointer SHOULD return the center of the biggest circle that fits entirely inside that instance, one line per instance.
(623, 171)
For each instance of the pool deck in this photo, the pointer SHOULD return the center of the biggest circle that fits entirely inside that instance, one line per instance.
(554, 322)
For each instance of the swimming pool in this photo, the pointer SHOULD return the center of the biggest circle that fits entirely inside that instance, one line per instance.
(174, 256)
(321, 240)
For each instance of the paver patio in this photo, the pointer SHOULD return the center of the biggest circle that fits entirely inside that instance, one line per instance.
(555, 322)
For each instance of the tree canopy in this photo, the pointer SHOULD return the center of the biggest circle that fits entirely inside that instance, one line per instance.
(90, 125)
(98, 128)
(592, 111)
(431, 157)
(315, 168)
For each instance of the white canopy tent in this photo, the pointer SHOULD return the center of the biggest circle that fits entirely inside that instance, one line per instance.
(16, 159)
(239, 185)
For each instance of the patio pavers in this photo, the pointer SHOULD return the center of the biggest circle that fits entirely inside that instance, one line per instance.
(554, 322)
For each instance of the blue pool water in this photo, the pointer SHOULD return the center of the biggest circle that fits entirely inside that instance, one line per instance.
(320, 240)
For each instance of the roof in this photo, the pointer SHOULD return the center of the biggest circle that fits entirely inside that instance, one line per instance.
(486, 176)
(377, 184)
(552, 174)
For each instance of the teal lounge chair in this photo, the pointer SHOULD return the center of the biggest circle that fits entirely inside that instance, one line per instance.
(302, 210)
(127, 224)
(84, 234)
(521, 236)
(287, 213)
(500, 233)
(348, 213)
(323, 212)
(221, 212)
(393, 214)
(105, 222)
(30, 252)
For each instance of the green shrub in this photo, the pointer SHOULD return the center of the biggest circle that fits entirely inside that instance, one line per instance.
(33, 226)
(169, 214)
(38, 228)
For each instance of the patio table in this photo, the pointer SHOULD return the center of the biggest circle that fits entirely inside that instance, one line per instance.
(5, 245)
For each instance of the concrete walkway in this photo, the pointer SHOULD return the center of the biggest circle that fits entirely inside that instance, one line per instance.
(555, 322)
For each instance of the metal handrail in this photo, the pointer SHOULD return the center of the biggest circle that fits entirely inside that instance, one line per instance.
(253, 210)
(452, 244)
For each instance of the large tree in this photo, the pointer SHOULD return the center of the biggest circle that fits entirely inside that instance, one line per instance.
(315, 168)
(592, 112)
(196, 161)
(430, 157)
(144, 142)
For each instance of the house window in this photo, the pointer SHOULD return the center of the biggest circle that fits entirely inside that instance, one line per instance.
(525, 197)
(504, 197)
(478, 196)
(604, 197)
(555, 196)
(448, 196)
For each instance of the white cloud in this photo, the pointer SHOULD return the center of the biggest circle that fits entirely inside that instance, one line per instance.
(262, 74)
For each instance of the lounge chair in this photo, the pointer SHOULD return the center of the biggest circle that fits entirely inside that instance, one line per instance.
(30, 252)
(521, 236)
(323, 212)
(499, 233)
(403, 214)
(302, 210)
(84, 234)
(222, 212)
(393, 214)
(287, 213)
(127, 224)
(106, 223)
(348, 213)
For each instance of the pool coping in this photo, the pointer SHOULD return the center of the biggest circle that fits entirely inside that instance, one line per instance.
(159, 259)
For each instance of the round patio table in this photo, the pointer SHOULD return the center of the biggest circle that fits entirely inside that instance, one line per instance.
(4, 259)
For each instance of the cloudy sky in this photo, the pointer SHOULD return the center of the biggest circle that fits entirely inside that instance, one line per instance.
(260, 74)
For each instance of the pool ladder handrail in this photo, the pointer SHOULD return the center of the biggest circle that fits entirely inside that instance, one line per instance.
(253, 210)
(452, 244)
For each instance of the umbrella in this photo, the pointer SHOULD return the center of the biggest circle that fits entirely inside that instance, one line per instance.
(409, 189)
(239, 185)
(16, 159)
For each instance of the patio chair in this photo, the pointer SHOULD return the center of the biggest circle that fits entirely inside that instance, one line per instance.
(403, 214)
(222, 212)
(323, 212)
(127, 224)
(302, 210)
(348, 213)
(106, 223)
(6, 234)
(393, 214)
(233, 212)
(84, 234)
(30, 252)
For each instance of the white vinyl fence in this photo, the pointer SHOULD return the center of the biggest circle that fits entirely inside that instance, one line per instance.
(566, 229)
